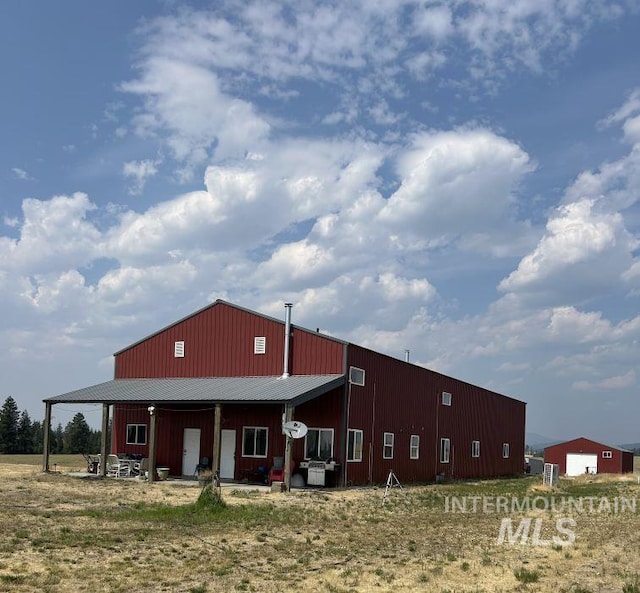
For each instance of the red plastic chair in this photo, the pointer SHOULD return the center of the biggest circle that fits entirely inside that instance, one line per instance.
(276, 473)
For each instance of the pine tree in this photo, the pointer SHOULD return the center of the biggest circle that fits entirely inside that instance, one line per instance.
(57, 440)
(25, 435)
(95, 442)
(37, 437)
(9, 418)
(78, 435)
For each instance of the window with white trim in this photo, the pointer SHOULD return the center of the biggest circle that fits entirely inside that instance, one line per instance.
(445, 450)
(136, 434)
(354, 445)
(259, 345)
(254, 441)
(178, 349)
(475, 448)
(505, 450)
(446, 398)
(414, 446)
(318, 444)
(607, 454)
(387, 445)
(356, 376)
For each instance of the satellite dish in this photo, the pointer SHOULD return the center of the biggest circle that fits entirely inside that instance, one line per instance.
(294, 429)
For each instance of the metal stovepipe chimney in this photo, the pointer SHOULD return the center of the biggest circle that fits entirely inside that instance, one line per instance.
(287, 337)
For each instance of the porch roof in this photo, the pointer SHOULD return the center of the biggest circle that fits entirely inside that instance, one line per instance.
(295, 389)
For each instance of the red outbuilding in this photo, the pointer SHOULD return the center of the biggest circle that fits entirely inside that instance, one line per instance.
(220, 383)
(584, 456)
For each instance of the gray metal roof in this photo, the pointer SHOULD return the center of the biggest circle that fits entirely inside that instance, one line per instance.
(275, 389)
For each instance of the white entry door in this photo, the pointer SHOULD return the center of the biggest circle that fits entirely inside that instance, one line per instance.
(581, 463)
(190, 451)
(228, 454)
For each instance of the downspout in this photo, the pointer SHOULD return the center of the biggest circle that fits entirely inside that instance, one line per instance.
(287, 337)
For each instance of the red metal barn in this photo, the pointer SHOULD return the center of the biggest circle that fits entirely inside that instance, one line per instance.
(581, 456)
(220, 383)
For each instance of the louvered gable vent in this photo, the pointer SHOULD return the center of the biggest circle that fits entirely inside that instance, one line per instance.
(178, 350)
(259, 345)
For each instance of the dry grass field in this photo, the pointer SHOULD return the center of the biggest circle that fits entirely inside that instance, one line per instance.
(63, 533)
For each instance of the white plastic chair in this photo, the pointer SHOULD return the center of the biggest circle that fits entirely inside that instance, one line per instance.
(113, 466)
(125, 468)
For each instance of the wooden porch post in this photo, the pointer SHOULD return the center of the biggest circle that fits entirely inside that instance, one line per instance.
(104, 440)
(46, 437)
(288, 416)
(152, 443)
(217, 436)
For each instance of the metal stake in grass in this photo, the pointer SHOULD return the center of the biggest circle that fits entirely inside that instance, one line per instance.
(392, 482)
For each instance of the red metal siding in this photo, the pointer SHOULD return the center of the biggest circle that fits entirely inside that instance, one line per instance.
(627, 462)
(619, 462)
(404, 399)
(123, 415)
(322, 412)
(315, 354)
(398, 397)
(170, 425)
(219, 342)
(268, 416)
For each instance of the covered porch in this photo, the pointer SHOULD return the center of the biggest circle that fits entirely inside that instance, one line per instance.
(154, 418)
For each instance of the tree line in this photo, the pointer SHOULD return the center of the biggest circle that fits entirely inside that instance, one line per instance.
(20, 435)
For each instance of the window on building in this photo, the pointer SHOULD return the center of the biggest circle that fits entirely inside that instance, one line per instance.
(445, 450)
(505, 450)
(387, 449)
(356, 376)
(254, 441)
(607, 454)
(446, 398)
(354, 445)
(136, 434)
(178, 349)
(259, 345)
(414, 446)
(318, 443)
(475, 448)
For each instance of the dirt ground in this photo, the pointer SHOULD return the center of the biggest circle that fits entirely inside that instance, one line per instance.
(63, 533)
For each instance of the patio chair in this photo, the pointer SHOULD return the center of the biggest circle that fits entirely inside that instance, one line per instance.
(125, 468)
(113, 465)
(276, 473)
(140, 468)
(204, 465)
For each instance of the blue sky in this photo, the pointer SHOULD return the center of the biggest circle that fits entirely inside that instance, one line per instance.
(459, 179)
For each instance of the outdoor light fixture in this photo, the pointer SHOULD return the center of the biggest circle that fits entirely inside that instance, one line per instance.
(151, 409)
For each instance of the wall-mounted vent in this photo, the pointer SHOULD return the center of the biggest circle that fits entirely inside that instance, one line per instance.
(356, 376)
(259, 345)
(178, 350)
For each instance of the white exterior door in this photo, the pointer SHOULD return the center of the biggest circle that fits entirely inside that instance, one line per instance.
(581, 463)
(227, 454)
(190, 451)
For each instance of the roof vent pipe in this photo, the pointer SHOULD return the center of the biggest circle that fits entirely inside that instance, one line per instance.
(406, 355)
(287, 336)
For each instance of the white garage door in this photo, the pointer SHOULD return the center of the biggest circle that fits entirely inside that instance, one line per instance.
(581, 463)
